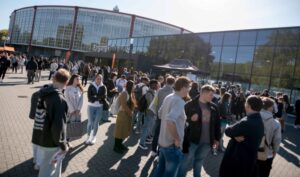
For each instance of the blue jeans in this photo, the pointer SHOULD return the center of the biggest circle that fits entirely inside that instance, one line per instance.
(47, 169)
(94, 114)
(168, 162)
(196, 155)
(147, 127)
(139, 119)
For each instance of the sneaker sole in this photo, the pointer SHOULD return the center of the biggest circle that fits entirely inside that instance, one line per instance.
(143, 147)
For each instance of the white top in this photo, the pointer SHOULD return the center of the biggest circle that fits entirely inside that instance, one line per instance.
(74, 98)
(53, 66)
(171, 110)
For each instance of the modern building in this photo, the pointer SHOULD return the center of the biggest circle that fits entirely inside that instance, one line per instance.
(54, 30)
(256, 59)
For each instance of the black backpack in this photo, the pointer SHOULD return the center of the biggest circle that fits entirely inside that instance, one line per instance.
(138, 93)
(142, 104)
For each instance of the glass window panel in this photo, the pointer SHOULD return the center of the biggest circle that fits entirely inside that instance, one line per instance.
(204, 37)
(259, 83)
(297, 67)
(277, 84)
(244, 59)
(266, 37)
(216, 54)
(284, 62)
(247, 38)
(227, 60)
(231, 38)
(288, 37)
(216, 38)
(241, 79)
(263, 58)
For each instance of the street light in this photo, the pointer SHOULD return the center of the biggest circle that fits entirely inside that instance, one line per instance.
(5, 39)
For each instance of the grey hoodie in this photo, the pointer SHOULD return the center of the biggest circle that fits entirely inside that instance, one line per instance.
(272, 132)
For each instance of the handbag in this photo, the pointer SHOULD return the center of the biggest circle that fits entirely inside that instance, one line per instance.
(115, 106)
(74, 127)
(105, 105)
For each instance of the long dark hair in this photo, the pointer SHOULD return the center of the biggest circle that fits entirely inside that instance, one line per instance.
(129, 88)
(71, 81)
(225, 97)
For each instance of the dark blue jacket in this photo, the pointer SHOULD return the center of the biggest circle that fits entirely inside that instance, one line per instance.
(240, 158)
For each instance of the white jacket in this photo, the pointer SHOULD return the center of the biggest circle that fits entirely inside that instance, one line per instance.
(74, 98)
(272, 132)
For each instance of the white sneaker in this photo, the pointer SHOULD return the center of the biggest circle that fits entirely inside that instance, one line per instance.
(93, 141)
(88, 141)
(153, 154)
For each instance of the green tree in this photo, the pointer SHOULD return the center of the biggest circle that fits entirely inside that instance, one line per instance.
(3, 33)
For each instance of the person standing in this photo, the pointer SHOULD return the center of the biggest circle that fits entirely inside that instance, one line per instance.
(74, 97)
(50, 131)
(96, 93)
(39, 70)
(202, 132)
(124, 117)
(53, 68)
(241, 153)
(22, 63)
(161, 95)
(271, 142)
(14, 62)
(31, 68)
(4, 64)
(149, 119)
(85, 73)
(171, 135)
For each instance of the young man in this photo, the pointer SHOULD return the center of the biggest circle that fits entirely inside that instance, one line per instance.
(149, 119)
(241, 153)
(161, 95)
(50, 131)
(31, 68)
(172, 129)
(203, 131)
(272, 138)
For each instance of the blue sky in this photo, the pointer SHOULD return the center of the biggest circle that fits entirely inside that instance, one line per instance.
(194, 15)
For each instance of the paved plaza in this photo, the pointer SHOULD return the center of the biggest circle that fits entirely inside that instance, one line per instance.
(99, 160)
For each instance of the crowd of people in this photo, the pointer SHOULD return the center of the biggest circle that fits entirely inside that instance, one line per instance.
(181, 120)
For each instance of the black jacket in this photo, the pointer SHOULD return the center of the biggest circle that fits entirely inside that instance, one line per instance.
(32, 65)
(193, 130)
(240, 158)
(110, 86)
(50, 130)
(93, 95)
(4, 62)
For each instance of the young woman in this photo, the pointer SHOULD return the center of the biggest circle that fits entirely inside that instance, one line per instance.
(96, 94)
(225, 115)
(124, 118)
(74, 98)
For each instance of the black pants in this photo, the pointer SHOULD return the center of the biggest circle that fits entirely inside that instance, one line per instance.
(50, 75)
(297, 121)
(2, 72)
(118, 143)
(30, 76)
(84, 80)
(15, 67)
(156, 135)
(264, 167)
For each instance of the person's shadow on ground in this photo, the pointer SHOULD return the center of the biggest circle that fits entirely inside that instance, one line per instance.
(108, 163)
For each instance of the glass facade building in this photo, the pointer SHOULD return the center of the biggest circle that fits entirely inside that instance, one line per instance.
(256, 59)
(78, 29)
